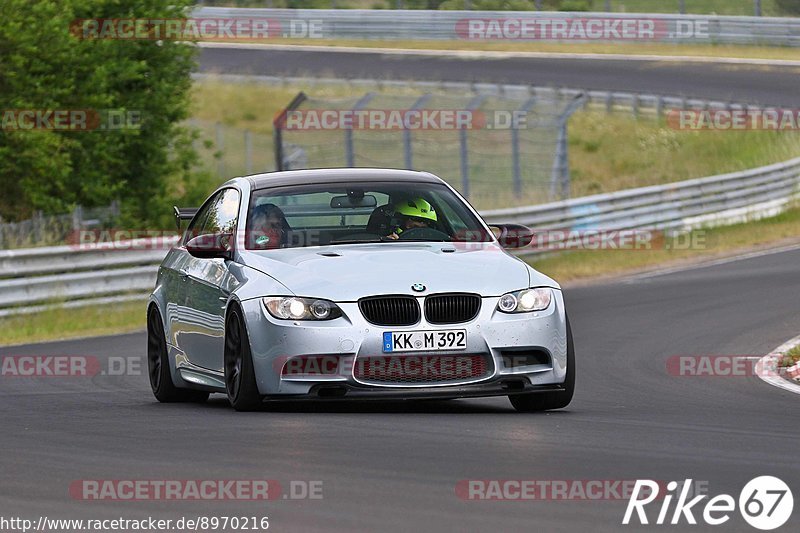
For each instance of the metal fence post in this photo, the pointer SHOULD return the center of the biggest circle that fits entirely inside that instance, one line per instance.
(407, 151)
(559, 177)
(683, 7)
(77, 217)
(517, 177)
(277, 128)
(349, 152)
(38, 227)
(462, 137)
(758, 7)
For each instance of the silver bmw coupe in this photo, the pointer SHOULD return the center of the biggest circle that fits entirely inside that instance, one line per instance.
(353, 284)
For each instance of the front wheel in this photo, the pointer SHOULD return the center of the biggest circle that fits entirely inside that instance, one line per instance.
(240, 378)
(158, 365)
(544, 401)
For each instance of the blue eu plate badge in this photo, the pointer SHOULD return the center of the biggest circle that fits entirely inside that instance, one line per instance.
(387, 341)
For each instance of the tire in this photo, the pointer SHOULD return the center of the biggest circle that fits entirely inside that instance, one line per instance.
(158, 365)
(544, 401)
(240, 377)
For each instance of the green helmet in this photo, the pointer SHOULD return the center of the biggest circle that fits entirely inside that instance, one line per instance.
(416, 207)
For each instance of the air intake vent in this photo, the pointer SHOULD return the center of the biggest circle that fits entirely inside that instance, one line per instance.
(418, 370)
(390, 310)
(525, 357)
(451, 308)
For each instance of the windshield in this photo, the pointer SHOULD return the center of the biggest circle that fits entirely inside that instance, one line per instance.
(358, 212)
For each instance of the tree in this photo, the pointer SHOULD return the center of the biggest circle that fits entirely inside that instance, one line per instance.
(43, 66)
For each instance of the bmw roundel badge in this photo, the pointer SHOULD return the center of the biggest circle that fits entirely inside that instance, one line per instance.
(418, 287)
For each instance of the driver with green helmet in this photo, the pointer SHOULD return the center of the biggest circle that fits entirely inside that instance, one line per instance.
(411, 214)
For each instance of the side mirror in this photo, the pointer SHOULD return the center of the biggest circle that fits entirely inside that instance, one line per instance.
(212, 246)
(513, 235)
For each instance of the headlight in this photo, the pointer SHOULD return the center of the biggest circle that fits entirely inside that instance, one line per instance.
(525, 301)
(293, 308)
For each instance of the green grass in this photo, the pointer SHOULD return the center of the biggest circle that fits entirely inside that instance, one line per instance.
(713, 243)
(608, 152)
(615, 152)
(56, 323)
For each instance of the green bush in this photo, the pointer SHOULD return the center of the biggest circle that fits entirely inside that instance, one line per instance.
(44, 66)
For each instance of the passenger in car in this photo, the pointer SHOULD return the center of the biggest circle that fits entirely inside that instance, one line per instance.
(268, 228)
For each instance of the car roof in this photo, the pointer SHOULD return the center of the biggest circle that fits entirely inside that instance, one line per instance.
(337, 175)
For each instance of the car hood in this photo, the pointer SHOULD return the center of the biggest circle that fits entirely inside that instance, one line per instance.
(345, 273)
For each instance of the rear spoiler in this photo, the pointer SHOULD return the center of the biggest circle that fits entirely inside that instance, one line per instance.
(183, 213)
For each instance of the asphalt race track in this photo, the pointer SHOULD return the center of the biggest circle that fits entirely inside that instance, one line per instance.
(394, 466)
(754, 84)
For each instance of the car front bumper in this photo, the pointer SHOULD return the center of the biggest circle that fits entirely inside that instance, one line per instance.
(491, 334)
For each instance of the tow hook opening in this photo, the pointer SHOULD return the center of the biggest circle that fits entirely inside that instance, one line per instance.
(332, 391)
(514, 384)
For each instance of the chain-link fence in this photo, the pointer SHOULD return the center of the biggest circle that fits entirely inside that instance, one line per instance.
(47, 230)
(232, 151)
(500, 146)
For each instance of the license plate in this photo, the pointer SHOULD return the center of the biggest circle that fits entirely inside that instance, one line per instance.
(418, 341)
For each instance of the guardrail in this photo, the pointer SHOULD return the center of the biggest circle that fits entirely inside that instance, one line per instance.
(515, 25)
(682, 205)
(72, 276)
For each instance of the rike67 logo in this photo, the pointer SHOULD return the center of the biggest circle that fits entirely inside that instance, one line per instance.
(765, 503)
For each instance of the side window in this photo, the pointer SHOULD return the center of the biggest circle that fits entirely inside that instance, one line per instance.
(196, 225)
(218, 215)
(223, 215)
